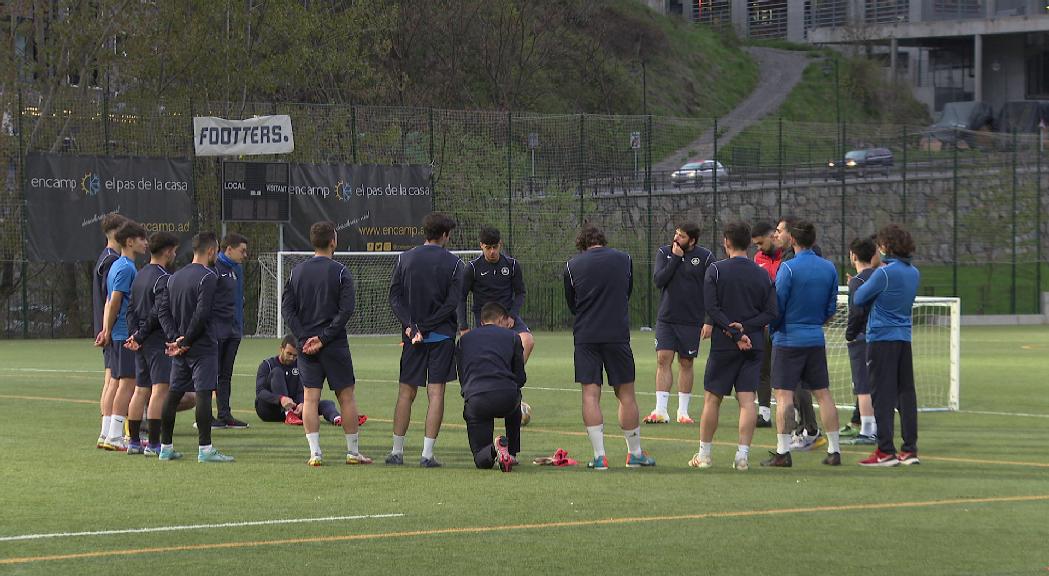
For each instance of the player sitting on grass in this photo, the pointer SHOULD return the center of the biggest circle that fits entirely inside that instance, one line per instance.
(110, 224)
(889, 293)
(807, 297)
(193, 347)
(318, 301)
(741, 301)
(864, 256)
(425, 291)
(598, 282)
(490, 362)
(679, 270)
(132, 239)
(279, 392)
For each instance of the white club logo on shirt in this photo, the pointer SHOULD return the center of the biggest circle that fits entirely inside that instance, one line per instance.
(483, 273)
(505, 271)
(695, 261)
(294, 371)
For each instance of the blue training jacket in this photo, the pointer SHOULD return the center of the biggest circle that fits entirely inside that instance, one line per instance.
(890, 293)
(807, 294)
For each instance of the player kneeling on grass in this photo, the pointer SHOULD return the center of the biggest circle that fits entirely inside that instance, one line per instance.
(279, 392)
(598, 283)
(890, 293)
(195, 364)
(740, 301)
(490, 361)
(317, 302)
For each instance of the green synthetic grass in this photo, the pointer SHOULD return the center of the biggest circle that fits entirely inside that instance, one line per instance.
(458, 520)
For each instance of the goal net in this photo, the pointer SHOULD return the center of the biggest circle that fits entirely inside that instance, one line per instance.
(935, 345)
(371, 276)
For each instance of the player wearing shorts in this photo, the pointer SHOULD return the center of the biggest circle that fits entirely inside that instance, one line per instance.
(425, 292)
(890, 293)
(147, 340)
(598, 283)
(864, 256)
(318, 301)
(194, 349)
(490, 361)
(132, 239)
(110, 224)
(740, 301)
(679, 270)
(807, 297)
(495, 277)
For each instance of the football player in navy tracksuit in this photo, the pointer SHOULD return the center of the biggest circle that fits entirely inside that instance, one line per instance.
(490, 362)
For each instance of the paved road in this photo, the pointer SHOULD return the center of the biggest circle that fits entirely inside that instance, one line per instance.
(778, 72)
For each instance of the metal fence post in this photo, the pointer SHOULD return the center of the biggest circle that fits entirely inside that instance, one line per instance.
(1012, 282)
(1038, 230)
(779, 169)
(954, 216)
(581, 167)
(903, 176)
(509, 181)
(714, 228)
(105, 115)
(353, 132)
(648, 227)
(844, 247)
(433, 166)
(25, 217)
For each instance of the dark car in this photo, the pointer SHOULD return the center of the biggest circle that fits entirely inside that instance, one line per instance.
(861, 163)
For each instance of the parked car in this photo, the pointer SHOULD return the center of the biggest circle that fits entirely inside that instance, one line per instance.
(861, 163)
(697, 173)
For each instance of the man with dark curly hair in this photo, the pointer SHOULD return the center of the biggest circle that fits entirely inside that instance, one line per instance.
(890, 292)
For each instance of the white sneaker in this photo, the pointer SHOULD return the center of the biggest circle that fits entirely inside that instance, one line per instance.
(803, 442)
(117, 444)
(700, 461)
(741, 463)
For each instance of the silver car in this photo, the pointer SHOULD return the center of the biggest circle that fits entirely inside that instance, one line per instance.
(697, 172)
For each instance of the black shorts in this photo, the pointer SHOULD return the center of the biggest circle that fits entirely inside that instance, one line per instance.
(732, 369)
(681, 338)
(154, 367)
(804, 366)
(333, 363)
(105, 357)
(121, 360)
(518, 327)
(616, 358)
(427, 362)
(195, 373)
(861, 378)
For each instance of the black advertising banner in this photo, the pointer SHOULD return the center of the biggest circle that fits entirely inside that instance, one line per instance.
(67, 196)
(374, 208)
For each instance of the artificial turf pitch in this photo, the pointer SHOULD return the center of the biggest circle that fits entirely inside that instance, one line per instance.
(977, 504)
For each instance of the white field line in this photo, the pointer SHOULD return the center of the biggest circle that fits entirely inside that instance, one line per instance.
(192, 527)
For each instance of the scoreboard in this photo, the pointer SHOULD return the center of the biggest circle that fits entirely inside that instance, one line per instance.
(255, 192)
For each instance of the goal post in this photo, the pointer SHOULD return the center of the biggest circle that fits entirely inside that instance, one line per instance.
(371, 275)
(935, 347)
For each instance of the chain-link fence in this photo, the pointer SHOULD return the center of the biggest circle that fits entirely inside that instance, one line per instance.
(975, 201)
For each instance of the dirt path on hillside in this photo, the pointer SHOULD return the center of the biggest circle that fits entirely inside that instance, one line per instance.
(778, 72)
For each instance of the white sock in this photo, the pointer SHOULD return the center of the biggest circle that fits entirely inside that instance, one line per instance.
(868, 426)
(682, 403)
(661, 402)
(633, 441)
(782, 443)
(833, 444)
(704, 449)
(352, 443)
(204, 449)
(398, 445)
(742, 451)
(315, 443)
(597, 439)
(428, 447)
(765, 412)
(116, 426)
(105, 427)
(167, 447)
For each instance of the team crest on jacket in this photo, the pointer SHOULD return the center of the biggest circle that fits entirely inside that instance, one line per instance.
(505, 271)
(695, 261)
(294, 371)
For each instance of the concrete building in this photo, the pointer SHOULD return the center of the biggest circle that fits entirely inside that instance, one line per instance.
(994, 51)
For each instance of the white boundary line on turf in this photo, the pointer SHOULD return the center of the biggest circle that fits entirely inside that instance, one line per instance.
(991, 413)
(192, 527)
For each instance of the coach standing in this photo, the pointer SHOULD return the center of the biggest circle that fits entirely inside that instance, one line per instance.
(598, 283)
(229, 321)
